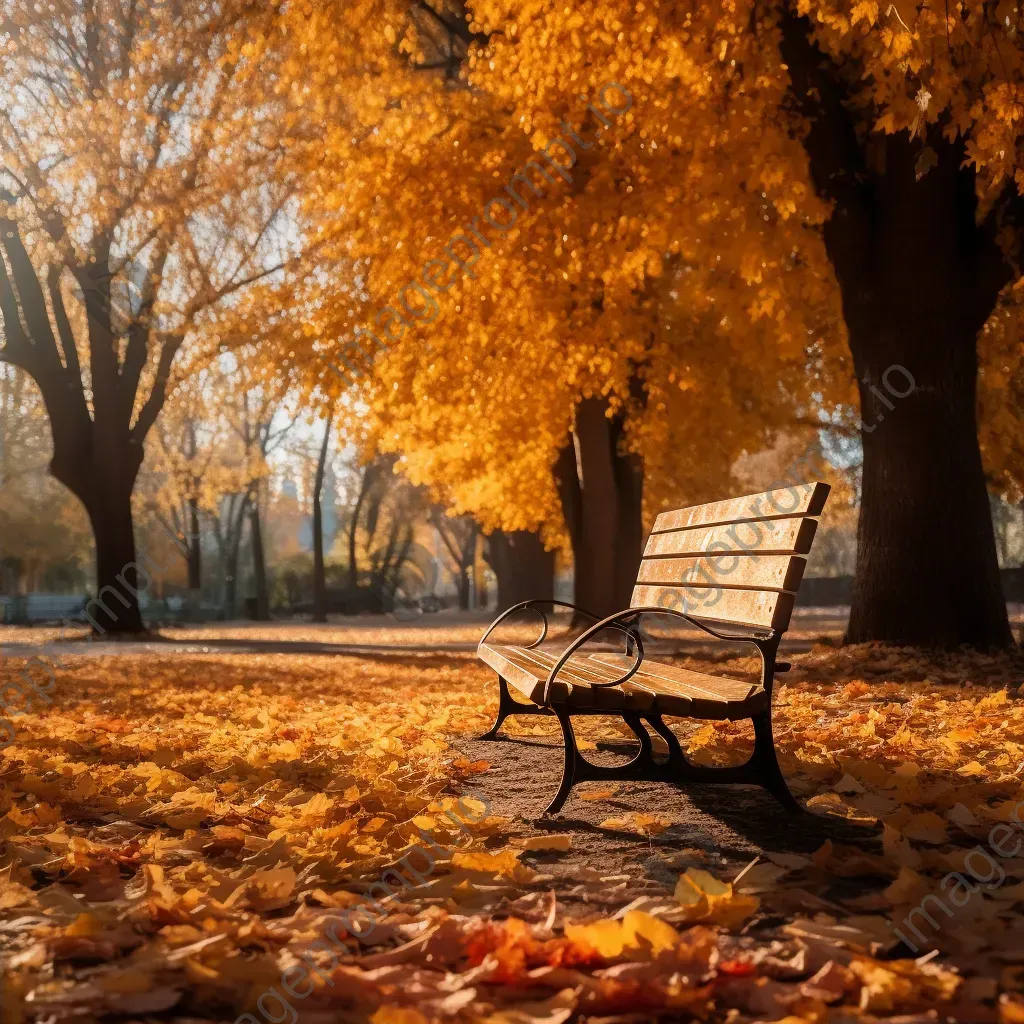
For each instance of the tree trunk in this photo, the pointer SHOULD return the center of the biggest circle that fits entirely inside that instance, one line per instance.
(918, 277)
(97, 449)
(194, 548)
(319, 581)
(629, 485)
(115, 609)
(231, 582)
(524, 569)
(607, 553)
(595, 572)
(570, 496)
(259, 565)
(927, 569)
(353, 528)
(464, 589)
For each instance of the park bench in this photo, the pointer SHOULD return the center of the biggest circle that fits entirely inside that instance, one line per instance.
(735, 564)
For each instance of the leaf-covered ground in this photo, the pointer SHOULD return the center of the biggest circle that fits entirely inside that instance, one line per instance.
(197, 838)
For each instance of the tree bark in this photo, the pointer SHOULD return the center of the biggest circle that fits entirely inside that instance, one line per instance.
(115, 609)
(628, 470)
(259, 565)
(231, 582)
(194, 549)
(595, 572)
(603, 510)
(524, 569)
(353, 528)
(570, 496)
(96, 454)
(464, 594)
(918, 277)
(319, 580)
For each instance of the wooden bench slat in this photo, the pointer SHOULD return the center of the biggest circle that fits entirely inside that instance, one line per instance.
(759, 609)
(729, 571)
(774, 537)
(781, 503)
(527, 669)
(688, 694)
(580, 672)
(665, 689)
(700, 684)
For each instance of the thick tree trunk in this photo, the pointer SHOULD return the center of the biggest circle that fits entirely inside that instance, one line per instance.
(918, 276)
(319, 580)
(595, 571)
(629, 485)
(524, 569)
(927, 569)
(570, 496)
(927, 572)
(97, 448)
(602, 499)
(259, 565)
(115, 609)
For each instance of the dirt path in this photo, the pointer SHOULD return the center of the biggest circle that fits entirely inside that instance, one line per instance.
(721, 828)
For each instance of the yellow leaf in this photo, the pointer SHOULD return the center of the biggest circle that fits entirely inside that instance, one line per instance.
(926, 827)
(640, 928)
(604, 937)
(398, 1015)
(559, 844)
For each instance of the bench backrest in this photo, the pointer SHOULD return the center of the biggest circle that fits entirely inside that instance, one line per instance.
(737, 561)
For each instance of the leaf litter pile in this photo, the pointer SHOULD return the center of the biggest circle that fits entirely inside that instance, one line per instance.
(197, 838)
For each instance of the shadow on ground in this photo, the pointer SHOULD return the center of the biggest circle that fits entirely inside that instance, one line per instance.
(721, 827)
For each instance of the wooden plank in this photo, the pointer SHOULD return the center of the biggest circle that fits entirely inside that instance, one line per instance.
(688, 694)
(772, 537)
(527, 669)
(579, 673)
(757, 608)
(664, 689)
(781, 503)
(751, 572)
(698, 684)
(513, 673)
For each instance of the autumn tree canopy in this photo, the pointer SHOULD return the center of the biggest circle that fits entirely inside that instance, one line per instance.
(141, 195)
(816, 173)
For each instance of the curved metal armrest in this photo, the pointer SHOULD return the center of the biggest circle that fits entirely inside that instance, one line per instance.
(757, 640)
(607, 623)
(766, 643)
(532, 605)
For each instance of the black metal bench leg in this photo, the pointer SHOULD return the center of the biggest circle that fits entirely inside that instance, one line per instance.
(572, 758)
(636, 725)
(675, 751)
(507, 705)
(504, 710)
(765, 765)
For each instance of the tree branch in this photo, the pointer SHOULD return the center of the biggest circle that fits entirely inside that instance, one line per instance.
(158, 394)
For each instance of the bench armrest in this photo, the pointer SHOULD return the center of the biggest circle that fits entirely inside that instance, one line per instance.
(767, 644)
(756, 639)
(615, 622)
(533, 606)
(611, 622)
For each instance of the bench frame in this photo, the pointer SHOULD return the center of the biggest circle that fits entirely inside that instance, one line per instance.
(760, 769)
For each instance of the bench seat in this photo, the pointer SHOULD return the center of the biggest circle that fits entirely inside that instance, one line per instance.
(656, 688)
